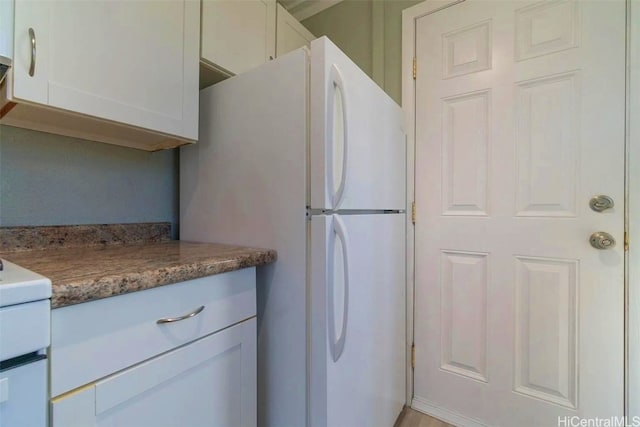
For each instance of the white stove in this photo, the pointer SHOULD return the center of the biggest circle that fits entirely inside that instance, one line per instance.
(25, 313)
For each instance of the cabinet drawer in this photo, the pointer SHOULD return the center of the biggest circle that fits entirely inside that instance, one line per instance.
(209, 382)
(94, 339)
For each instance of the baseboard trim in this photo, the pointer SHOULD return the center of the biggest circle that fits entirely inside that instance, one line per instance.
(430, 408)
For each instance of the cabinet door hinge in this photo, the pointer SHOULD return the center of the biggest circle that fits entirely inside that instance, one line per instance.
(626, 241)
(415, 68)
(413, 213)
(413, 355)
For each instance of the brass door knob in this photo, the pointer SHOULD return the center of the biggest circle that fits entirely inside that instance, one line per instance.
(602, 240)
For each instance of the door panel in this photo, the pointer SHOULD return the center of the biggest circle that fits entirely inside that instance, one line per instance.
(546, 337)
(360, 381)
(464, 313)
(518, 319)
(358, 147)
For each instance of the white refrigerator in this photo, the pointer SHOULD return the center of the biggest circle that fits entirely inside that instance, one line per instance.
(307, 155)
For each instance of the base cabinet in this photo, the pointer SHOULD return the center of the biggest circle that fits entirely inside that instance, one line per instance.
(171, 356)
(209, 382)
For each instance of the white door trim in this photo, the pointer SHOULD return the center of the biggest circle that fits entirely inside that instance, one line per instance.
(450, 417)
(409, 17)
(632, 304)
(632, 205)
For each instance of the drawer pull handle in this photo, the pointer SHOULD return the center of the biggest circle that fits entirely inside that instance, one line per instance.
(32, 65)
(177, 319)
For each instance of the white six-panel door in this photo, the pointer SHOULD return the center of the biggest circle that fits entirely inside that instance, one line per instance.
(519, 122)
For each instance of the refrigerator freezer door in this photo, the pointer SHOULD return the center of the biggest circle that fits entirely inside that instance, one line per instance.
(244, 183)
(357, 315)
(358, 148)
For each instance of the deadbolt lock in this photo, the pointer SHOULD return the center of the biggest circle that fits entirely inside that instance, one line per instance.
(601, 203)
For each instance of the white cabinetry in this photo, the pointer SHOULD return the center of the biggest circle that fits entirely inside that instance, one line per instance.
(237, 35)
(210, 382)
(290, 34)
(128, 378)
(6, 28)
(132, 63)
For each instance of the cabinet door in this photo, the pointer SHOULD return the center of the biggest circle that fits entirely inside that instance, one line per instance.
(131, 62)
(290, 34)
(238, 35)
(210, 382)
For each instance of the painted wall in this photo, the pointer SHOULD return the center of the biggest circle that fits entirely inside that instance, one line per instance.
(348, 24)
(369, 32)
(393, 46)
(49, 179)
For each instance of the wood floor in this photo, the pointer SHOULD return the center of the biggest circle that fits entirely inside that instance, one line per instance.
(412, 418)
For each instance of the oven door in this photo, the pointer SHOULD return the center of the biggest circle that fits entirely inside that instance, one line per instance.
(23, 391)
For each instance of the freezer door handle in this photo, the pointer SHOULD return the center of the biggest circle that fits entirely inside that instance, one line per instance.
(336, 344)
(336, 86)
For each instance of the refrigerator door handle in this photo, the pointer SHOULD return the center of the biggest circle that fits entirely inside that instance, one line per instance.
(337, 84)
(336, 344)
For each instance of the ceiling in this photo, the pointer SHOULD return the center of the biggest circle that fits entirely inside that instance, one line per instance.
(302, 9)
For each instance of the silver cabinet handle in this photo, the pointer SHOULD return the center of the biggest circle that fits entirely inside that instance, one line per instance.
(32, 66)
(177, 319)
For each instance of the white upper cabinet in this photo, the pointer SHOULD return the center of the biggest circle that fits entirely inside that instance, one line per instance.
(290, 34)
(132, 63)
(6, 28)
(237, 35)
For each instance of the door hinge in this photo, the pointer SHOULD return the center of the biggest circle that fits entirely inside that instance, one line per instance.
(415, 68)
(413, 355)
(626, 241)
(413, 213)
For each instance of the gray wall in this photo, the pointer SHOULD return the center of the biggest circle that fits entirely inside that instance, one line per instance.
(48, 179)
(353, 26)
(348, 24)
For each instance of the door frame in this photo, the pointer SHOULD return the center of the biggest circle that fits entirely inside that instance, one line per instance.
(409, 17)
(632, 188)
(632, 207)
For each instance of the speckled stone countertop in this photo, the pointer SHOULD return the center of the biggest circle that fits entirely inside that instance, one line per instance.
(80, 274)
(72, 236)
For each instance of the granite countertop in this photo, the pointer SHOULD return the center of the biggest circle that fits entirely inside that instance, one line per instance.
(85, 273)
